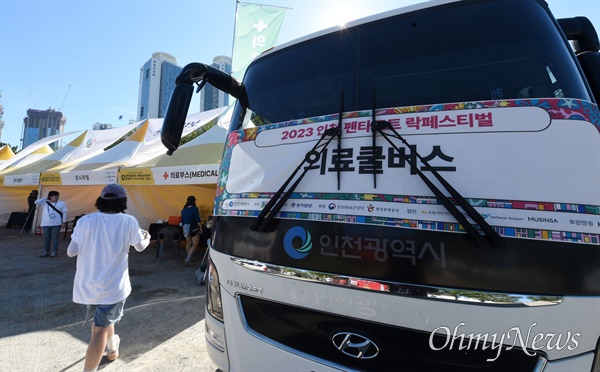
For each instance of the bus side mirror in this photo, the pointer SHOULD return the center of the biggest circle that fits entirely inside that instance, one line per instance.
(590, 64)
(174, 121)
(581, 32)
(182, 96)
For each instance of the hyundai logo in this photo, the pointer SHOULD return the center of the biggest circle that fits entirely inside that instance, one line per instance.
(355, 345)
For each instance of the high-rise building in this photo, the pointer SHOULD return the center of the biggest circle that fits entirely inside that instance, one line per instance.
(211, 97)
(101, 126)
(1, 113)
(157, 81)
(41, 124)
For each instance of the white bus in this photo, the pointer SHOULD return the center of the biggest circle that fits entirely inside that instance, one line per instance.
(419, 190)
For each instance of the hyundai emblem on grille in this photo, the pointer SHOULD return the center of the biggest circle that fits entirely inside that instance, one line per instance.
(355, 345)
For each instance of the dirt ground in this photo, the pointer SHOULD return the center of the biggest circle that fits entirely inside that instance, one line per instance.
(41, 328)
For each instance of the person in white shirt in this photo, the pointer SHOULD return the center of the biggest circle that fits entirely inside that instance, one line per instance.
(101, 242)
(54, 217)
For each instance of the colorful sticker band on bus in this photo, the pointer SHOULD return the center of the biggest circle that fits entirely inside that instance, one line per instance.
(487, 127)
(513, 232)
(518, 219)
(571, 109)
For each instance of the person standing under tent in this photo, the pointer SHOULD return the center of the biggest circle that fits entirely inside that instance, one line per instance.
(190, 218)
(54, 217)
(101, 243)
(33, 196)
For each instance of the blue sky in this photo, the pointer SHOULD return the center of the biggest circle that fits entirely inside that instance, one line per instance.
(98, 46)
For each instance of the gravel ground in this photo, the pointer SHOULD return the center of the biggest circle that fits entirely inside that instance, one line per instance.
(41, 328)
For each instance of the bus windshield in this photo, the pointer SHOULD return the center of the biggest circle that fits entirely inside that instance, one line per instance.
(482, 57)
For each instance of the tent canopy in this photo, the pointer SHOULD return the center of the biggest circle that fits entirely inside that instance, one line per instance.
(116, 156)
(192, 170)
(191, 152)
(6, 153)
(31, 158)
(35, 146)
(142, 145)
(86, 145)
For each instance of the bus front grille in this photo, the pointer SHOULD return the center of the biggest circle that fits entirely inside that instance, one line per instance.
(312, 334)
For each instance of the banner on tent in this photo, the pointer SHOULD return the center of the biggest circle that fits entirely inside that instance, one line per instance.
(20, 180)
(176, 175)
(140, 176)
(51, 178)
(89, 177)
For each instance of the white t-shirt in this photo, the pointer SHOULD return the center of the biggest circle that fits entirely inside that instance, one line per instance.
(50, 217)
(102, 243)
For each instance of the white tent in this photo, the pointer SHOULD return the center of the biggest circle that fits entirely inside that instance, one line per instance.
(31, 158)
(14, 190)
(113, 157)
(20, 178)
(13, 199)
(12, 162)
(158, 188)
(196, 162)
(86, 145)
(142, 145)
(80, 185)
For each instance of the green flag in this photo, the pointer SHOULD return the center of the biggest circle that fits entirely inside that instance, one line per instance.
(256, 30)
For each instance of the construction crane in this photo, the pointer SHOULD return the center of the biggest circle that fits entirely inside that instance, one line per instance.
(64, 99)
(31, 95)
(1, 115)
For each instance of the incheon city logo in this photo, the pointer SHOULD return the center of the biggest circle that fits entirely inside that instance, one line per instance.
(297, 242)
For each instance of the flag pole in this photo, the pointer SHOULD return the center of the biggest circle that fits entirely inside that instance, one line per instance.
(237, 3)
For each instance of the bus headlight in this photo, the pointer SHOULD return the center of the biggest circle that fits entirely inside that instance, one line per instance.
(213, 292)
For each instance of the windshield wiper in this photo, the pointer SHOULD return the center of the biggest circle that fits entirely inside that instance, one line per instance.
(476, 237)
(339, 141)
(311, 157)
(274, 205)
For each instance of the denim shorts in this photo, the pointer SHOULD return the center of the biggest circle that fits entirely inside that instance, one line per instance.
(105, 315)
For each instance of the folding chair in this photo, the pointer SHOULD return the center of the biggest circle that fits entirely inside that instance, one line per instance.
(168, 235)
